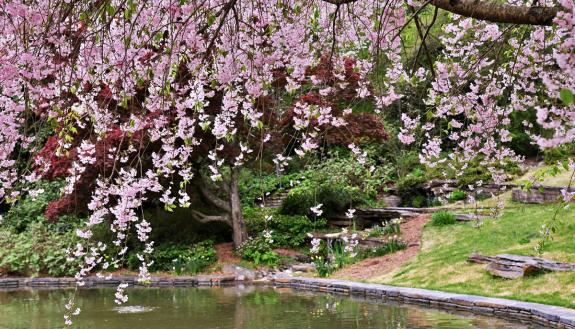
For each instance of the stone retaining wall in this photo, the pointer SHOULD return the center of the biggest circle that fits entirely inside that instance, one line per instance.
(208, 280)
(545, 315)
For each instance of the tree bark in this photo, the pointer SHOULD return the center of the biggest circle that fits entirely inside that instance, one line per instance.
(491, 11)
(499, 13)
(213, 198)
(203, 218)
(236, 215)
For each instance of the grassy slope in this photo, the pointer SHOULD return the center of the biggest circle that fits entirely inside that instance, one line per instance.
(442, 265)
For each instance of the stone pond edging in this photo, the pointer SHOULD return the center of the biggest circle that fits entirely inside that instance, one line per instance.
(546, 315)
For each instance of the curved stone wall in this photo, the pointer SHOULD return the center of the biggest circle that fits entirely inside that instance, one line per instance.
(546, 315)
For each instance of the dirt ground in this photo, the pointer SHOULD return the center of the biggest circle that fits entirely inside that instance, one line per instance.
(226, 255)
(410, 232)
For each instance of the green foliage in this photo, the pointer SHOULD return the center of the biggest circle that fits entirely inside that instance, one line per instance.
(338, 181)
(391, 246)
(457, 195)
(567, 96)
(340, 257)
(179, 258)
(329, 260)
(259, 251)
(409, 188)
(324, 267)
(555, 154)
(336, 200)
(286, 231)
(203, 255)
(391, 228)
(252, 188)
(297, 203)
(443, 218)
(472, 172)
(29, 210)
(36, 251)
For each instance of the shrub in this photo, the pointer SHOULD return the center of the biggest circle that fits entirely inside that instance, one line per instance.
(203, 255)
(37, 251)
(297, 203)
(555, 154)
(443, 218)
(335, 200)
(409, 188)
(28, 209)
(253, 187)
(258, 251)
(391, 228)
(324, 267)
(180, 258)
(286, 231)
(457, 195)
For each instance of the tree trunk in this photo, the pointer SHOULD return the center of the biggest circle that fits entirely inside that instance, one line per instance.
(236, 215)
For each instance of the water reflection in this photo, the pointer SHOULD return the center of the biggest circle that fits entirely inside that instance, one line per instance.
(226, 307)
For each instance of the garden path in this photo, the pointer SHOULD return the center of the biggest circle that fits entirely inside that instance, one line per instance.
(411, 231)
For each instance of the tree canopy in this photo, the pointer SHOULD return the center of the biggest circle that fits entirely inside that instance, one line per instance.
(141, 97)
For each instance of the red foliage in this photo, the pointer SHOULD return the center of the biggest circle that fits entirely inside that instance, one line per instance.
(59, 207)
(59, 165)
(359, 125)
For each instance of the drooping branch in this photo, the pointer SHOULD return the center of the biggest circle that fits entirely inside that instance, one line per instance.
(490, 11)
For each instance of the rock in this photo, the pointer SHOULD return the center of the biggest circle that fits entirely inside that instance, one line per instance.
(332, 235)
(306, 268)
(468, 217)
(240, 272)
(538, 194)
(391, 200)
(303, 258)
(515, 266)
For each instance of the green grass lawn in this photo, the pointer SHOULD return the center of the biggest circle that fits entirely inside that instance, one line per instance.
(442, 265)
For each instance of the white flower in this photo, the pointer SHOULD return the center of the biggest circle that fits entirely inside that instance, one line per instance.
(315, 244)
(268, 236)
(120, 295)
(350, 212)
(317, 209)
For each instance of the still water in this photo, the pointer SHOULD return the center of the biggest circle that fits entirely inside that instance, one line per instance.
(225, 307)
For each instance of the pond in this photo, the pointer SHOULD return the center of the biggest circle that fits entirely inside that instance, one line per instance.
(224, 307)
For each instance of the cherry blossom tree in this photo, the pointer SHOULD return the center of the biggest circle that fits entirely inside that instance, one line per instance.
(145, 96)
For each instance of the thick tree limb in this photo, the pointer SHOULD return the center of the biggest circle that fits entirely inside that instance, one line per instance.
(203, 218)
(340, 2)
(213, 198)
(499, 13)
(489, 10)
